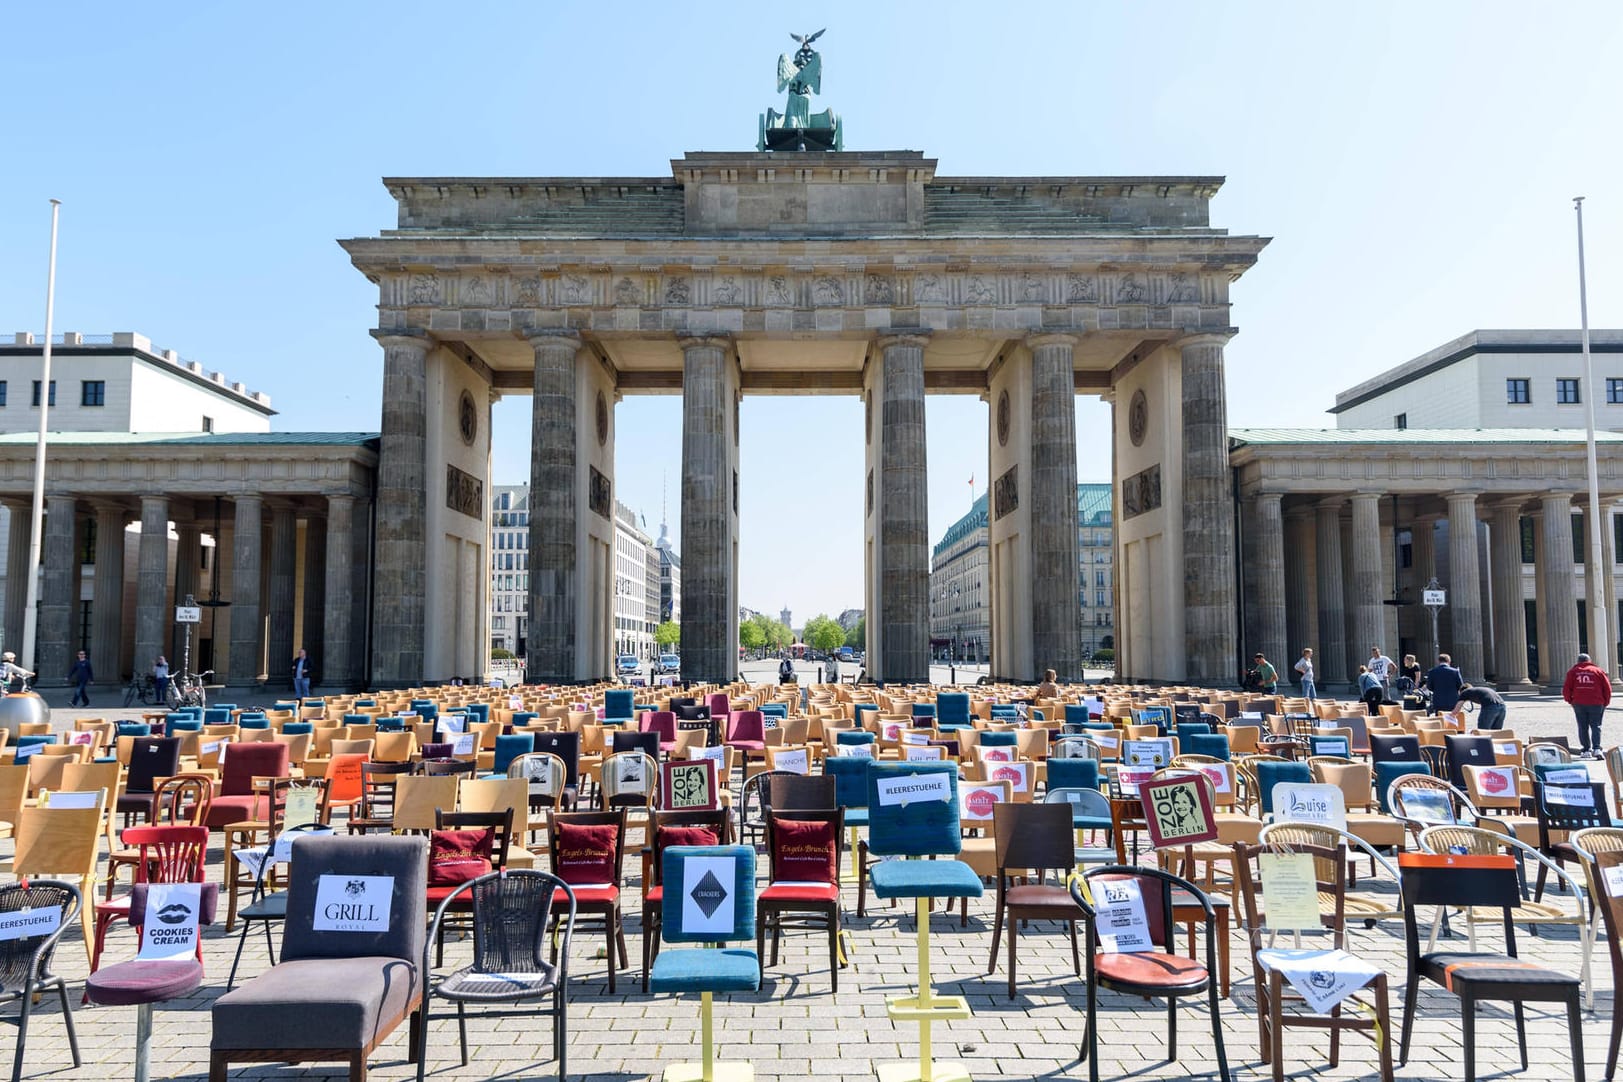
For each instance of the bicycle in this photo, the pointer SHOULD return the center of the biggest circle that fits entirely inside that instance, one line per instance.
(143, 687)
(187, 689)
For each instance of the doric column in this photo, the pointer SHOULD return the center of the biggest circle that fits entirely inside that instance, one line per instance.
(1366, 592)
(336, 665)
(1464, 586)
(152, 616)
(188, 580)
(313, 633)
(107, 603)
(402, 553)
(1595, 592)
(556, 505)
(904, 550)
(1301, 592)
(284, 562)
(709, 510)
(1423, 560)
(17, 571)
(1055, 557)
(1210, 649)
(1614, 626)
(1558, 595)
(1332, 652)
(1269, 598)
(58, 559)
(1509, 614)
(247, 627)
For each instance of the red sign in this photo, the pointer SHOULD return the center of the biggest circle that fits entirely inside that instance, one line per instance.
(980, 803)
(1494, 781)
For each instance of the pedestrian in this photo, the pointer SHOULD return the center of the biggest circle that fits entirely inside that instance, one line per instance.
(81, 675)
(786, 671)
(14, 675)
(1383, 667)
(160, 679)
(832, 674)
(1267, 675)
(1049, 688)
(1370, 690)
(1588, 690)
(302, 669)
(1411, 671)
(1304, 666)
(1490, 706)
(1445, 682)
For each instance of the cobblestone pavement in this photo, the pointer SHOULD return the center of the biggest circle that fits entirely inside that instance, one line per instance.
(795, 1028)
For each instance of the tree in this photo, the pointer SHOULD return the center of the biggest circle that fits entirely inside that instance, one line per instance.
(779, 635)
(823, 634)
(501, 653)
(857, 637)
(668, 634)
(750, 634)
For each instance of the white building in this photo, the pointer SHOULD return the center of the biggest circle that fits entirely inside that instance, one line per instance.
(510, 567)
(633, 623)
(670, 577)
(1493, 379)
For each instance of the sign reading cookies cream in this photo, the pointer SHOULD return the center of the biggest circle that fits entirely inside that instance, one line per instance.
(174, 912)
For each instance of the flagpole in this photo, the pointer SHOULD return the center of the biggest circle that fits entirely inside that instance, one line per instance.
(1600, 643)
(36, 525)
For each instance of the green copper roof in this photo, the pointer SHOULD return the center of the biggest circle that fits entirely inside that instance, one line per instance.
(217, 439)
(1243, 437)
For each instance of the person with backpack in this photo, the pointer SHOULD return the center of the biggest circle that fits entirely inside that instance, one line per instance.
(786, 671)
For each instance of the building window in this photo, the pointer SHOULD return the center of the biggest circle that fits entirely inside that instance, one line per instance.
(2, 392)
(208, 424)
(1566, 392)
(93, 392)
(1401, 421)
(1527, 539)
(1614, 392)
(1518, 392)
(36, 393)
(1617, 542)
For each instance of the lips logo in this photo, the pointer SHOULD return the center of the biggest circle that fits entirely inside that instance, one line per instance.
(175, 913)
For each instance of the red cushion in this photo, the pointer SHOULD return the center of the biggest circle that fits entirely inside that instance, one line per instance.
(588, 896)
(684, 836)
(584, 854)
(438, 894)
(779, 892)
(456, 856)
(225, 810)
(1044, 895)
(655, 895)
(1151, 969)
(804, 850)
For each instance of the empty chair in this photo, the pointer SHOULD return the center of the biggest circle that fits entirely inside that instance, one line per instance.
(25, 961)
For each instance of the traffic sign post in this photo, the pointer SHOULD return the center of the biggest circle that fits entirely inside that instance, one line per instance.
(1434, 598)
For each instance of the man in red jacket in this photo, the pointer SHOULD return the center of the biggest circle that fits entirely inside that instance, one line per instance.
(1589, 690)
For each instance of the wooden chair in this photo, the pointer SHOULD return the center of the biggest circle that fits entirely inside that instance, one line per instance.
(182, 800)
(591, 861)
(13, 792)
(62, 843)
(1270, 965)
(1032, 839)
(1606, 865)
(804, 888)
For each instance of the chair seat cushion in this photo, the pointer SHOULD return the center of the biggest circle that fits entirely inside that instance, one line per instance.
(747, 745)
(1453, 968)
(856, 817)
(475, 986)
(128, 984)
(800, 892)
(1378, 830)
(699, 970)
(603, 895)
(225, 810)
(1082, 821)
(924, 879)
(655, 895)
(1151, 969)
(316, 1003)
(1042, 894)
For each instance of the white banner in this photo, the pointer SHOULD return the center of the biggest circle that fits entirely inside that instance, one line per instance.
(1324, 978)
(911, 788)
(353, 903)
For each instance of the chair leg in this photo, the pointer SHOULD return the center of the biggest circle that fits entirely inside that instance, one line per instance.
(1172, 1030)
(997, 935)
(242, 941)
(462, 1029)
(1538, 891)
(357, 1067)
(1411, 992)
(1521, 1033)
(834, 950)
(143, 1042)
(1612, 1045)
(1217, 1032)
(1013, 926)
(421, 1033)
(647, 943)
(25, 1004)
(1575, 1024)
(608, 942)
(1468, 1035)
(1076, 951)
(67, 1021)
(761, 917)
(1263, 983)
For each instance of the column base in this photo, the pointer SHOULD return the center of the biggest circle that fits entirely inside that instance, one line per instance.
(719, 1072)
(940, 1071)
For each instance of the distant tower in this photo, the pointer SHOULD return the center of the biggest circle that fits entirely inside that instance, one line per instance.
(784, 617)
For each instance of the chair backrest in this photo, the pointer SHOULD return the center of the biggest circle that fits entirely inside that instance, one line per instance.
(168, 854)
(57, 842)
(498, 822)
(1215, 745)
(1353, 779)
(721, 881)
(417, 797)
(1393, 748)
(1155, 889)
(618, 703)
(1570, 807)
(745, 725)
(52, 905)
(438, 768)
(510, 746)
(804, 845)
(1033, 836)
(1454, 879)
(245, 762)
(151, 757)
(1608, 868)
(1427, 801)
(544, 775)
(850, 776)
(802, 792)
(630, 779)
(1073, 774)
(718, 704)
(1087, 801)
(587, 848)
(643, 741)
(1464, 751)
(566, 746)
(913, 809)
(357, 896)
(669, 826)
(662, 723)
(1272, 774)
(1388, 772)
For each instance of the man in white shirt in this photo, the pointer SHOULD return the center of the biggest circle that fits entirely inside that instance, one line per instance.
(1382, 666)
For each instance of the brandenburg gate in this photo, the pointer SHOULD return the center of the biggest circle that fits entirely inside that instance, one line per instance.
(806, 272)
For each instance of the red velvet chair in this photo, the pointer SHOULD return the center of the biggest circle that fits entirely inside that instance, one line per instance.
(746, 731)
(662, 722)
(721, 711)
(236, 801)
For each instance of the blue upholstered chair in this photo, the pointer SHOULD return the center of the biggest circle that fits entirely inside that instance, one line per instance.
(913, 813)
(1079, 774)
(298, 728)
(1000, 740)
(1272, 774)
(253, 721)
(480, 712)
(387, 723)
(854, 736)
(358, 702)
(292, 704)
(524, 717)
(952, 710)
(863, 708)
(1076, 713)
(510, 746)
(775, 710)
(1213, 745)
(174, 726)
(217, 715)
(618, 705)
(1390, 771)
(424, 709)
(850, 775)
(1329, 745)
(131, 728)
(357, 719)
(924, 710)
(721, 881)
(1187, 729)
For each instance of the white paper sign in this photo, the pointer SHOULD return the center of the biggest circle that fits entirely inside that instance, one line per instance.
(1018, 775)
(997, 755)
(26, 752)
(719, 754)
(1498, 781)
(923, 753)
(1571, 796)
(282, 851)
(1107, 741)
(708, 886)
(1323, 978)
(211, 748)
(514, 702)
(174, 912)
(1613, 878)
(977, 801)
(465, 744)
(892, 731)
(91, 799)
(353, 903)
(302, 806)
(1506, 747)
(1218, 777)
(1096, 707)
(855, 751)
(1151, 753)
(1574, 775)
(912, 788)
(453, 723)
(86, 739)
(30, 923)
(1332, 745)
(1123, 926)
(797, 762)
(915, 736)
(1304, 802)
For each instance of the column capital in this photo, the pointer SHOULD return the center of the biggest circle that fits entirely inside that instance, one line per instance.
(1462, 499)
(340, 499)
(404, 339)
(539, 337)
(1331, 503)
(903, 336)
(1269, 497)
(722, 342)
(1508, 503)
(1552, 498)
(1364, 495)
(1203, 338)
(1051, 338)
(106, 506)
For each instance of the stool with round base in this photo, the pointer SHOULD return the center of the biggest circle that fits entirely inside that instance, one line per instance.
(913, 813)
(709, 899)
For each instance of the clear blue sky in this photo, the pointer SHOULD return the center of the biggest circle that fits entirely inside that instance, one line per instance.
(1414, 163)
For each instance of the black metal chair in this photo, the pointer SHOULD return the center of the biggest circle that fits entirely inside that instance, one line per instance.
(511, 911)
(25, 960)
(1478, 882)
(1562, 811)
(266, 907)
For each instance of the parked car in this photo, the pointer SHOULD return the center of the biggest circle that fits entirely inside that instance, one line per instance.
(627, 663)
(670, 663)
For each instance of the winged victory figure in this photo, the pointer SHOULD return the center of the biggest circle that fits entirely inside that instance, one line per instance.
(797, 128)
